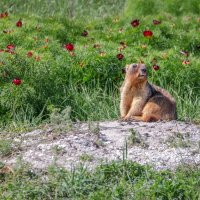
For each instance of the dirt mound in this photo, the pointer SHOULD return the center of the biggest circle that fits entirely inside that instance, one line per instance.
(164, 145)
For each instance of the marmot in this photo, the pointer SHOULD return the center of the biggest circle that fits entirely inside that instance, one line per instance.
(143, 101)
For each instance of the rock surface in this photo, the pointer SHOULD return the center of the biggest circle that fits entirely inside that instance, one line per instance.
(163, 145)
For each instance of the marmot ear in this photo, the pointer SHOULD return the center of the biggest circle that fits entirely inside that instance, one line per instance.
(124, 70)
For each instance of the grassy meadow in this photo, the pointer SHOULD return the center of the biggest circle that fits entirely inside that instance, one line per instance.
(88, 77)
(57, 54)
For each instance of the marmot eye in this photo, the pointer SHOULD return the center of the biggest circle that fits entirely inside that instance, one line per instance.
(134, 65)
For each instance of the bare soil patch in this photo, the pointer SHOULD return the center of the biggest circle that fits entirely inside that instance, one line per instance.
(164, 145)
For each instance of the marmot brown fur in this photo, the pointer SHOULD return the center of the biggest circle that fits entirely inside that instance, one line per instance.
(143, 101)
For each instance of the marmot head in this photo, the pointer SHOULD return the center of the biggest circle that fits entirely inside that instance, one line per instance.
(136, 73)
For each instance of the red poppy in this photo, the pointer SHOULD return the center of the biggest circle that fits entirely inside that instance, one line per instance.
(135, 23)
(10, 47)
(156, 22)
(120, 56)
(156, 67)
(29, 54)
(17, 81)
(148, 33)
(84, 33)
(19, 23)
(3, 15)
(69, 47)
(186, 62)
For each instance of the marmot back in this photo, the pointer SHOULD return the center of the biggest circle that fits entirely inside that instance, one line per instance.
(142, 101)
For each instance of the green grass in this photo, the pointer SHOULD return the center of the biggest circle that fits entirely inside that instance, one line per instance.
(88, 82)
(60, 87)
(73, 9)
(119, 180)
(5, 147)
(155, 7)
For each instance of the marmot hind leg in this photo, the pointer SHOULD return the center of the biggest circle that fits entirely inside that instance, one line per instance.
(146, 118)
(151, 112)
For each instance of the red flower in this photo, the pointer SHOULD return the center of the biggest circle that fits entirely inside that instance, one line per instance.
(19, 23)
(17, 81)
(156, 67)
(84, 33)
(29, 54)
(120, 56)
(186, 62)
(148, 33)
(185, 53)
(156, 22)
(10, 47)
(135, 23)
(69, 47)
(3, 15)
